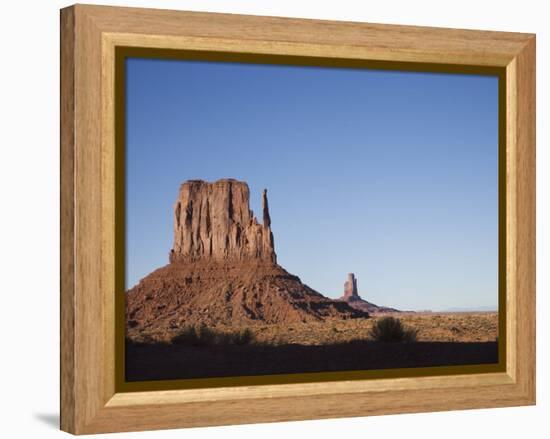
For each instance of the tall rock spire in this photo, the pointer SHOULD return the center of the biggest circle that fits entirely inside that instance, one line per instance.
(213, 221)
(350, 288)
(265, 208)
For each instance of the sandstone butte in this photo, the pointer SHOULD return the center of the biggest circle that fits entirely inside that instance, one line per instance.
(213, 221)
(352, 297)
(223, 269)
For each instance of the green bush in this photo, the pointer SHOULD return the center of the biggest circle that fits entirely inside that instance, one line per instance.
(391, 330)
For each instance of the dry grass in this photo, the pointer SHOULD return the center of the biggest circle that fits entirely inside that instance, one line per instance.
(448, 327)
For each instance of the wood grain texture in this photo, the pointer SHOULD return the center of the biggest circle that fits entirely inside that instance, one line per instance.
(332, 38)
(511, 217)
(89, 349)
(89, 37)
(67, 254)
(525, 239)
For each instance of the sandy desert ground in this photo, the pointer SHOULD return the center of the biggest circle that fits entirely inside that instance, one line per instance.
(436, 327)
(444, 339)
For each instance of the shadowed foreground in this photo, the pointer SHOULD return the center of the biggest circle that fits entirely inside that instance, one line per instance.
(167, 361)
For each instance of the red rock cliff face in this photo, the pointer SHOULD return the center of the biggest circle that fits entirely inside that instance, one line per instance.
(213, 221)
(223, 270)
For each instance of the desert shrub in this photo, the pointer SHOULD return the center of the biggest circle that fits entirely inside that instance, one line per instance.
(143, 340)
(391, 330)
(243, 337)
(205, 336)
(187, 336)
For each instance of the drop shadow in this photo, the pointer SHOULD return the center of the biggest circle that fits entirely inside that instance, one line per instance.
(50, 419)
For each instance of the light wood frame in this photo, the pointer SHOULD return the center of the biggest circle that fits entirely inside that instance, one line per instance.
(89, 37)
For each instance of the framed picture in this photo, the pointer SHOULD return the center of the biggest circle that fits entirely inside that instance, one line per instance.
(268, 219)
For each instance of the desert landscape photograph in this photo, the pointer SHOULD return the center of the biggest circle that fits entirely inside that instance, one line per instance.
(290, 220)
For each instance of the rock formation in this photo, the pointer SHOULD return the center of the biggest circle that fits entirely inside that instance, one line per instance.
(352, 297)
(213, 221)
(223, 269)
(350, 288)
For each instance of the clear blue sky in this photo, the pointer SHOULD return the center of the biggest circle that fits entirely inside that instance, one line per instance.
(390, 175)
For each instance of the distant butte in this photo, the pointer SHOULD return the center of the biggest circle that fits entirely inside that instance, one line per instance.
(352, 298)
(223, 269)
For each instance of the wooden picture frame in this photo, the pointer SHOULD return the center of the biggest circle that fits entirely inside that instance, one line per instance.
(91, 400)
